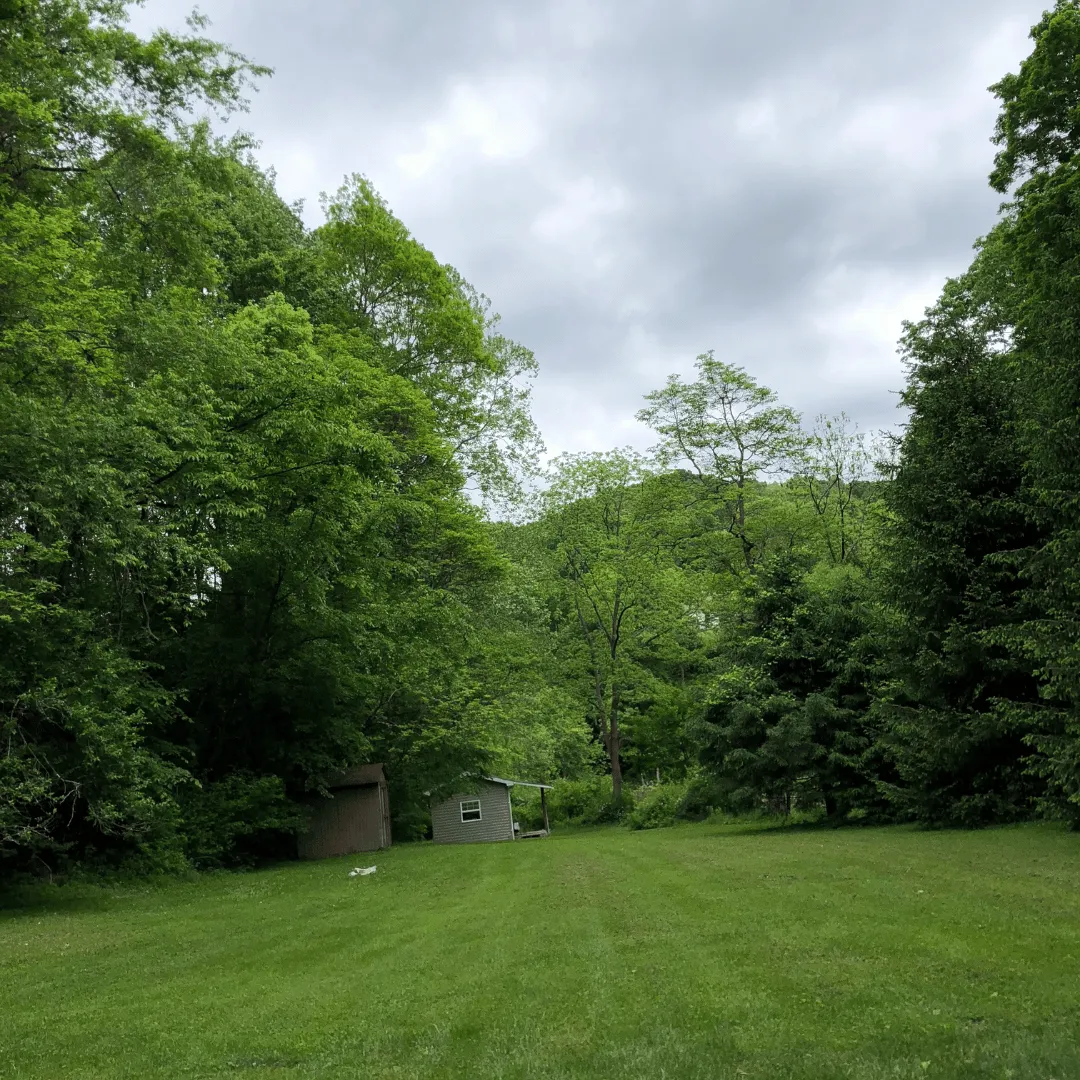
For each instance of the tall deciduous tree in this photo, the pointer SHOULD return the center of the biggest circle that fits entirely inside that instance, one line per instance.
(729, 432)
(434, 329)
(837, 477)
(85, 559)
(235, 546)
(606, 525)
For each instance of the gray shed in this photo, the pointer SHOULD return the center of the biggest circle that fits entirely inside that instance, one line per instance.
(481, 811)
(356, 817)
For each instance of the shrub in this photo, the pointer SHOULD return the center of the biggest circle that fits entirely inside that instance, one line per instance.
(658, 805)
(527, 810)
(701, 797)
(586, 802)
(239, 820)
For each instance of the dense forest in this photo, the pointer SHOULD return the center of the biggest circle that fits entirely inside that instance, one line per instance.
(272, 503)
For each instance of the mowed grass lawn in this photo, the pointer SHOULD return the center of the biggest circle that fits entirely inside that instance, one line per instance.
(701, 951)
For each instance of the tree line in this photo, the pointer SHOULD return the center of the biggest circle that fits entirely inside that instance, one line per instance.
(248, 471)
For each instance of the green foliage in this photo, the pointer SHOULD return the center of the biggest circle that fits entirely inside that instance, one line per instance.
(1039, 132)
(605, 522)
(957, 533)
(586, 802)
(238, 552)
(724, 424)
(1038, 127)
(787, 719)
(245, 469)
(433, 328)
(657, 806)
(730, 432)
(982, 700)
(519, 697)
(237, 819)
(703, 794)
(837, 477)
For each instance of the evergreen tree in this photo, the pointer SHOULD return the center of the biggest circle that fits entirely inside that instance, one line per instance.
(959, 532)
(1039, 163)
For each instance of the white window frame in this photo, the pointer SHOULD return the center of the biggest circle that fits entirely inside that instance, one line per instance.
(477, 809)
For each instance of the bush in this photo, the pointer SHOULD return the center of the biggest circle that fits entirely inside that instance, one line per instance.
(582, 802)
(658, 805)
(701, 797)
(239, 820)
(527, 810)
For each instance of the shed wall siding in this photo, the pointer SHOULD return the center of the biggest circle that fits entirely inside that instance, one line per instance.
(351, 820)
(494, 824)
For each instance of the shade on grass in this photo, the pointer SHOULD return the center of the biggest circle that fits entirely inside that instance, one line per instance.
(702, 951)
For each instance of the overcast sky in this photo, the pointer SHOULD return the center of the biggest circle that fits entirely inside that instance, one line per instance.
(634, 182)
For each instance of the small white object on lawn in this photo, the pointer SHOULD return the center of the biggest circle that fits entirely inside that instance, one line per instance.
(361, 871)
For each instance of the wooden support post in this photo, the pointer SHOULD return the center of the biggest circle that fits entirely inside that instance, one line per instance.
(543, 806)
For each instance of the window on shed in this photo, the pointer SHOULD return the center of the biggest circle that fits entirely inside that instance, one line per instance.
(470, 810)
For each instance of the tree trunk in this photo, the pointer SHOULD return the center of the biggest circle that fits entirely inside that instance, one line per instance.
(843, 527)
(613, 746)
(740, 509)
(601, 719)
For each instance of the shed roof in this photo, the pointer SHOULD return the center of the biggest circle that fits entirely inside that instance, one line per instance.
(505, 783)
(356, 776)
(516, 783)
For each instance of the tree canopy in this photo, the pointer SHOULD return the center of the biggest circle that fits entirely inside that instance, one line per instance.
(256, 482)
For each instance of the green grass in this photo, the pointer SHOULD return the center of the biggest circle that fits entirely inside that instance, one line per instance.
(702, 951)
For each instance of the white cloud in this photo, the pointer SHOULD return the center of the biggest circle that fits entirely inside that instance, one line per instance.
(497, 118)
(859, 317)
(577, 226)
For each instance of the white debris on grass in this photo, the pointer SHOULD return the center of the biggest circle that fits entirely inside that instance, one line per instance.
(361, 871)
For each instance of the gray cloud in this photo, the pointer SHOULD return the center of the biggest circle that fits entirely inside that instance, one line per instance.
(633, 182)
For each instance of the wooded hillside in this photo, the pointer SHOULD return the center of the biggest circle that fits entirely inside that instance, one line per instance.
(272, 503)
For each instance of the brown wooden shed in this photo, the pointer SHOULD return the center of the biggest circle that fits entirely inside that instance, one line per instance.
(356, 817)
